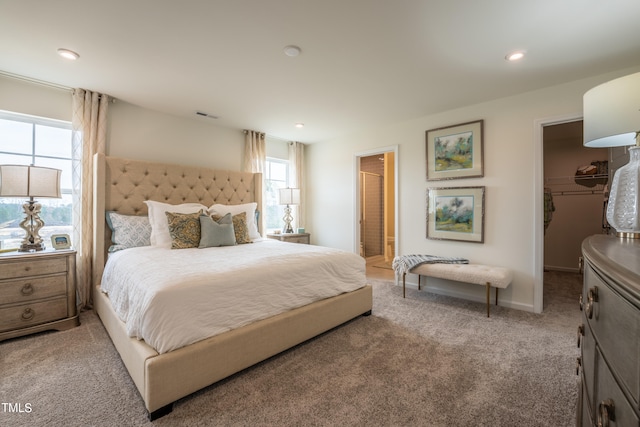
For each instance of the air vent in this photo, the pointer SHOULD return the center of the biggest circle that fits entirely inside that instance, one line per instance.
(211, 116)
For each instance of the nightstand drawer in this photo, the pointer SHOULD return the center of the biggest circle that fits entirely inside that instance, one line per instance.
(23, 290)
(25, 315)
(33, 267)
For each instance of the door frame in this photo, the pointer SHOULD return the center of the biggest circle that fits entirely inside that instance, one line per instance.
(357, 190)
(538, 203)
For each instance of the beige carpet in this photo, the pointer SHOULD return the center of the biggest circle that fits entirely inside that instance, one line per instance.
(426, 360)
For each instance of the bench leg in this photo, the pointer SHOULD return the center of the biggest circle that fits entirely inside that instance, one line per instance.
(489, 299)
(403, 285)
(497, 296)
(419, 282)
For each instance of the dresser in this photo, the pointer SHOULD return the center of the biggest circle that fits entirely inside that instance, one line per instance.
(291, 237)
(609, 334)
(37, 292)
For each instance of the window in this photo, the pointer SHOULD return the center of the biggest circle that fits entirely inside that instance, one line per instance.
(29, 140)
(276, 177)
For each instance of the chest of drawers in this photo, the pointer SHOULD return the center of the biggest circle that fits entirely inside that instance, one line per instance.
(37, 292)
(610, 333)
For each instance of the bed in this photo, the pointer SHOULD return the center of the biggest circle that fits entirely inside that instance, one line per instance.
(123, 186)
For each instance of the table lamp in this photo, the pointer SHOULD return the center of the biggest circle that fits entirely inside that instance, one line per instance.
(612, 119)
(289, 196)
(30, 181)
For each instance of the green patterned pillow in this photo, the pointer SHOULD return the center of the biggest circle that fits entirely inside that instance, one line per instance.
(240, 227)
(184, 229)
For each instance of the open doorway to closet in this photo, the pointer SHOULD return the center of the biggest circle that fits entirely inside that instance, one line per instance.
(376, 207)
(575, 190)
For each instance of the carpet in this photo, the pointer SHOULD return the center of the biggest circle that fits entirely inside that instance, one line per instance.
(427, 360)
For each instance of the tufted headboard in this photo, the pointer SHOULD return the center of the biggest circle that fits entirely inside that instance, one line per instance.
(122, 185)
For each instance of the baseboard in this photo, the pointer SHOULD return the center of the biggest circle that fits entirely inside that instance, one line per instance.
(563, 269)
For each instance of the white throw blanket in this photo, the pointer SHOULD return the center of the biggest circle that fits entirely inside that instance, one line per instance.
(402, 264)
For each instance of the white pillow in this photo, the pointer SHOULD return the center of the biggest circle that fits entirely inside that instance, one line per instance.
(249, 208)
(160, 226)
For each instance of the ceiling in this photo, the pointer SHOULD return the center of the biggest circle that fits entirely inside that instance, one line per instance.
(364, 63)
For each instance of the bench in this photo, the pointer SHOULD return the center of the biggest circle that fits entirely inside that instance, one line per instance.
(485, 275)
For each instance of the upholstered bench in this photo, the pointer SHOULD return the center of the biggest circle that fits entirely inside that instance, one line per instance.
(489, 276)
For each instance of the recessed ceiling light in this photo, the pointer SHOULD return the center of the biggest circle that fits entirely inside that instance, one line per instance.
(515, 56)
(292, 50)
(299, 125)
(68, 54)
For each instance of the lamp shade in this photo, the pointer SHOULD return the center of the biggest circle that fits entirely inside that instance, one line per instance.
(29, 181)
(612, 113)
(289, 196)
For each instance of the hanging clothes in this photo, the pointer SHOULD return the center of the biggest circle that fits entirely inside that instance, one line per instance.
(549, 208)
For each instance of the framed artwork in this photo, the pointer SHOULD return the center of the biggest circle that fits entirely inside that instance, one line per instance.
(455, 151)
(60, 241)
(456, 213)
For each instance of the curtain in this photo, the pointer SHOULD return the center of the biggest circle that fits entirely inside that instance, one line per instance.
(255, 155)
(89, 123)
(296, 180)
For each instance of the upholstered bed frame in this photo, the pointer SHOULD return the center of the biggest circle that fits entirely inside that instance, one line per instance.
(123, 185)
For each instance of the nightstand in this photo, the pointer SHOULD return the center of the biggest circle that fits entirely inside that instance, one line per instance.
(291, 237)
(37, 292)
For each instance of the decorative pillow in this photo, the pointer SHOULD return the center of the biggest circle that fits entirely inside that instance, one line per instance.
(239, 227)
(128, 231)
(248, 208)
(184, 229)
(159, 227)
(216, 233)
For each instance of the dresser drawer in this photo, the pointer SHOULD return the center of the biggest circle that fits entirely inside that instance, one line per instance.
(615, 325)
(33, 267)
(23, 290)
(622, 413)
(25, 315)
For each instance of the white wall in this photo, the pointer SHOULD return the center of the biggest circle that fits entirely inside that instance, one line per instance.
(135, 132)
(511, 168)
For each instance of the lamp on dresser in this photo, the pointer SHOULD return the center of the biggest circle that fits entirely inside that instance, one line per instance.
(288, 196)
(30, 181)
(612, 119)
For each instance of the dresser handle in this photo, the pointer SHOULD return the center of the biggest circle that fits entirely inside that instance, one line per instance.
(605, 413)
(28, 314)
(580, 334)
(27, 289)
(592, 297)
(578, 365)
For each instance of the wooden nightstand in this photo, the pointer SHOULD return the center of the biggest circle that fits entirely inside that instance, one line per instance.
(291, 237)
(37, 292)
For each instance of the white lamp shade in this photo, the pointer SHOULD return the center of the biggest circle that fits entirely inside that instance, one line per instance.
(29, 181)
(289, 196)
(612, 113)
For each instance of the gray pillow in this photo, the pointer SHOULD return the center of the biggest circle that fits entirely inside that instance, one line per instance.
(128, 231)
(216, 233)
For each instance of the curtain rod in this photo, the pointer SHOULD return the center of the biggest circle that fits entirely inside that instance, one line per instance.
(36, 81)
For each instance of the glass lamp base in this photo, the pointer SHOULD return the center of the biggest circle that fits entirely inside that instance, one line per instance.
(623, 210)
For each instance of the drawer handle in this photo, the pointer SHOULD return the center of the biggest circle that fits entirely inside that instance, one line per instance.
(580, 334)
(28, 314)
(580, 265)
(606, 413)
(592, 297)
(578, 365)
(581, 302)
(27, 289)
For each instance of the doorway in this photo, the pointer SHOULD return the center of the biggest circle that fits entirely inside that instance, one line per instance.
(376, 227)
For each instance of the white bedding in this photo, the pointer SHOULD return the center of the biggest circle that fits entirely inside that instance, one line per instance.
(173, 298)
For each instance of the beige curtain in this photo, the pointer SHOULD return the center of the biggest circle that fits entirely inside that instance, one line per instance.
(296, 180)
(89, 124)
(255, 155)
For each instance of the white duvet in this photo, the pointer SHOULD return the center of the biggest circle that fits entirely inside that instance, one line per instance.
(173, 298)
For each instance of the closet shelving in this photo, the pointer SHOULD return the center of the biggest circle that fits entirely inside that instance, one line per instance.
(576, 184)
